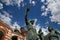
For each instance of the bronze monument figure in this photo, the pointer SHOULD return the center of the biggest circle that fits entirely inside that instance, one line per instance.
(40, 34)
(53, 34)
(32, 35)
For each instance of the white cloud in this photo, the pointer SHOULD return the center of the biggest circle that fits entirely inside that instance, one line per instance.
(37, 27)
(45, 31)
(55, 18)
(5, 18)
(1, 5)
(32, 2)
(45, 10)
(44, 14)
(12, 2)
(58, 23)
(47, 23)
(7, 14)
(54, 7)
(42, 0)
(35, 20)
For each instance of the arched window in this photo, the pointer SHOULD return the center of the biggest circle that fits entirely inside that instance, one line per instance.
(14, 38)
(1, 35)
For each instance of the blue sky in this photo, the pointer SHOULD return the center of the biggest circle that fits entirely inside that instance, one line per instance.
(45, 11)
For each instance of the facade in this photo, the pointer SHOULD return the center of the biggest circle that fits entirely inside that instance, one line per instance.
(6, 33)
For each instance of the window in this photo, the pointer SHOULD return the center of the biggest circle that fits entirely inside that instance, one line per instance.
(1, 35)
(14, 38)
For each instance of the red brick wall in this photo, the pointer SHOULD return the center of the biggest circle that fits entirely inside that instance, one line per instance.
(8, 32)
(4, 28)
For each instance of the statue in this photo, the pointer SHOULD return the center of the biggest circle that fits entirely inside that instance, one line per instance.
(32, 35)
(40, 34)
(53, 35)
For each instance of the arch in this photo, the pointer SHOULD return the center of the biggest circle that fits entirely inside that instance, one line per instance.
(1, 35)
(14, 38)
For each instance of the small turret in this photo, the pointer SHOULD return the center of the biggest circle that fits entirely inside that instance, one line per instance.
(16, 29)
